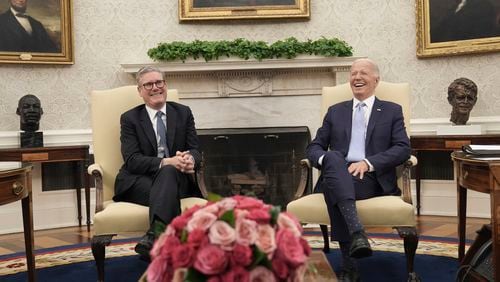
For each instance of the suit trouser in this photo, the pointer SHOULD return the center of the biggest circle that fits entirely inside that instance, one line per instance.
(339, 185)
(162, 193)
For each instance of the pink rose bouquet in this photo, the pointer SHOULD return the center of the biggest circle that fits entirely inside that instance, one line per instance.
(234, 239)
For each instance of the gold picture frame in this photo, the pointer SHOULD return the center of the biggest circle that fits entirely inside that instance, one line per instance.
(445, 28)
(50, 20)
(199, 10)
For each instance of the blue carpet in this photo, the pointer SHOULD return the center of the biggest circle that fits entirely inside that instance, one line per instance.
(382, 266)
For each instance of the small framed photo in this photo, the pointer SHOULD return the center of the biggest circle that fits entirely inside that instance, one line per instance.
(455, 27)
(197, 10)
(36, 32)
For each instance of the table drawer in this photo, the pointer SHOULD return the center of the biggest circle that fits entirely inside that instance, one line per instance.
(13, 189)
(475, 177)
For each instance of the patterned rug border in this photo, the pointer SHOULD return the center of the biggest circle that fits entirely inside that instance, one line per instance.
(63, 255)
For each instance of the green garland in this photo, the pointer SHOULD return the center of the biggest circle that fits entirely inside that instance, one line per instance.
(246, 49)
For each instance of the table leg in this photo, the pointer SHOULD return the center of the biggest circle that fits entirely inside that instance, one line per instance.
(495, 220)
(417, 182)
(462, 211)
(29, 243)
(78, 171)
(87, 198)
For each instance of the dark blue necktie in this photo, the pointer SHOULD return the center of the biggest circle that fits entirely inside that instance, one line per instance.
(162, 136)
(358, 132)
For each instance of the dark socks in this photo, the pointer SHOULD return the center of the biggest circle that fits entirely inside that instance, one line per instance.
(348, 210)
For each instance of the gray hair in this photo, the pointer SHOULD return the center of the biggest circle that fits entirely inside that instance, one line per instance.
(147, 69)
(371, 62)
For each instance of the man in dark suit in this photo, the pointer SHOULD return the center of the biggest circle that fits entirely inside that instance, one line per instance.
(357, 149)
(159, 146)
(22, 33)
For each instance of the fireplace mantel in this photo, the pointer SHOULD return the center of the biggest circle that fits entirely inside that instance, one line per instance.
(236, 64)
(233, 77)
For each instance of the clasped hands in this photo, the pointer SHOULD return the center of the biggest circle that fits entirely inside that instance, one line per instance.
(182, 161)
(358, 168)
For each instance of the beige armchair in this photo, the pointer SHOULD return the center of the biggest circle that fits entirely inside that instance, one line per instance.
(111, 217)
(387, 211)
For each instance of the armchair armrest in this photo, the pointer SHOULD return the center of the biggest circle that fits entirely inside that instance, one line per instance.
(405, 175)
(200, 179)
(305, 168)
(96, 171)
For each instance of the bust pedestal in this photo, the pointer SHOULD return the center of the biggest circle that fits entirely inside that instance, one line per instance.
(31, 139)
(459, 129)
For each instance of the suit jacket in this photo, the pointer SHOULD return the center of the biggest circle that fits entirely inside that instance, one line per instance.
(387, 144)
(14, 38)
(139, 146)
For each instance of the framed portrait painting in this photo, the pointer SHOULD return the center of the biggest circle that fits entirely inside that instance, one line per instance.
(36, 32)
(455, 27)
(196, 10)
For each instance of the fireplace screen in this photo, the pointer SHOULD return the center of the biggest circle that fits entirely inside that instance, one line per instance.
(262, 162)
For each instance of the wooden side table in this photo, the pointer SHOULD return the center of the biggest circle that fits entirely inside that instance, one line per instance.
(78, 153)
(448, 143)
(481, 175)
(15, 185)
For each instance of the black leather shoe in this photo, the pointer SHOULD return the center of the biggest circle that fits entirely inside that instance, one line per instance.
(350, 275)
(360, 247)
(145, 245)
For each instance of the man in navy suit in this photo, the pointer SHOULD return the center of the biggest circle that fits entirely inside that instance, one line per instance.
(357, 149)
(22, 33)
(159, 146)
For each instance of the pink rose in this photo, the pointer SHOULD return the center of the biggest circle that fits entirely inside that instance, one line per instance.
(158, 244)
(246, 231)
(248, 202)
(179, 222)
(288, 221)
(196, 238)
(179, 275)
(157, 270)
(221, 233)
(212, 208)
(214, 279)
(182, 256)
(236, 274)
(241, 255)
(226, 204)
(210, 260)
(265, 239)
(290, 248)
(201, 220)
(261, 274)
(261, 216)
(305, 245)
(280, 268)
(189, 212)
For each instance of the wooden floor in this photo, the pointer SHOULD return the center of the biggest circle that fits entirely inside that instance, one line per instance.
(427, 225)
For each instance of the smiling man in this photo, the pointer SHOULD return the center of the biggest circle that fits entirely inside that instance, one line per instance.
(357, 149)
(159, 146)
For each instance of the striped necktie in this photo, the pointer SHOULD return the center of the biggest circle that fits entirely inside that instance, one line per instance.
(162, 136)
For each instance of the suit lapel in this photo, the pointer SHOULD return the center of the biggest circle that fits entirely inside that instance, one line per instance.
(148, 127)
(377, 110)
(348, 120)
(171, 122)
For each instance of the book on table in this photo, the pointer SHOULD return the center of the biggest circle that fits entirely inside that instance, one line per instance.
(482, 150)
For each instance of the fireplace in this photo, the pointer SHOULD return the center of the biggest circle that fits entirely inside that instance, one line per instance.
(263, 162)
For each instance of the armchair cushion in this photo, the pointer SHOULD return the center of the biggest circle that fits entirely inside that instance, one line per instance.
(129, 217)
(385, 211)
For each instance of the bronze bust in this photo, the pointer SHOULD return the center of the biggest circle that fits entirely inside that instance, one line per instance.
(462, 96)
(30, 110)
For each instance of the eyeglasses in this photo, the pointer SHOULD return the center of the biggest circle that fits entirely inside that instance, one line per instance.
(158, 83)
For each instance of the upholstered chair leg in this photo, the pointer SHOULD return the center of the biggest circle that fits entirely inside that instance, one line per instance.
(410, 238)
(326, 240)
(99, 244)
